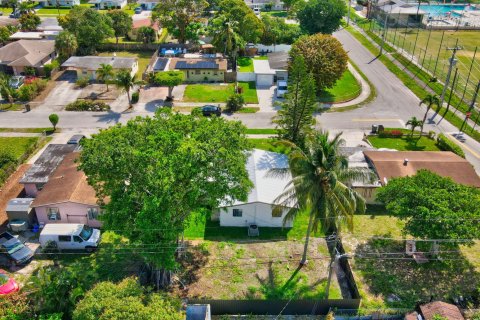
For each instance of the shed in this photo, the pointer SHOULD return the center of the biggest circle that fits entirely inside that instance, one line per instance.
(19, 209)
(264, 75)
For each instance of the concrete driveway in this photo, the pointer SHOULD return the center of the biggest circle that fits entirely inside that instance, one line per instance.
(267, 99)
(151, 98)
(63, 93)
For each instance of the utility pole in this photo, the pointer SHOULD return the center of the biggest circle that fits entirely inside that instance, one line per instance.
(472, 105)
(451, 93)
(349, 8)
(335, 258)
(384, 34)
(453, 62)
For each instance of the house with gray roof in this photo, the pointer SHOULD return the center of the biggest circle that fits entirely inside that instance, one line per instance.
(88, 65)
(18, 55)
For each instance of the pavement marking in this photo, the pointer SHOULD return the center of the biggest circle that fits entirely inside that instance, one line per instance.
(464, 145)
(374, 119)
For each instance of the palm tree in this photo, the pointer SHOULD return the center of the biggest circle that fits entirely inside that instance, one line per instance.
(430, 100)
(125, 81)
(319, 185)
(25, 7)
(105, 73)
(413, 123)
(226, 38)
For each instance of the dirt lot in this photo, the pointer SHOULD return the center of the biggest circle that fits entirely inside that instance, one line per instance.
(97, 91)
(10, 190)
(258, 270)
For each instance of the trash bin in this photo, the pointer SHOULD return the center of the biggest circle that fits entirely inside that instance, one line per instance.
(27, 107)
(374, 128)
(381, 128)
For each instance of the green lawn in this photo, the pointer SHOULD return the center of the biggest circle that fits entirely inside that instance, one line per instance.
(53, 11)
(16, 145)
(346, 89)
(278, 14)
(27, 130)
(218, 92)
(9, 107)
(262, 131)
(245, 64)
(268, 144)
(404, 143)
(6, 10)
(142, 56)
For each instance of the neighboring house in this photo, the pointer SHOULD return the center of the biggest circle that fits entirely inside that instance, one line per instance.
(148, 4)
(393, 164)
(143, 23)
(18, 55)
(67, 197)
(201, 69)
(259, 207)
(278, 61)
(108, 4)
(60, 3)
(38, 174)
(88, 65)
(42, 35)
(277, 4)
(264, 75)
(400, 13)
(435, 310)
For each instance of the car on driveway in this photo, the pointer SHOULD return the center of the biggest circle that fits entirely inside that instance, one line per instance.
(138, 10)
(75, 139)
(209, 110)
(282, 89)
(16, 81)
(14, 249)
(7, 284)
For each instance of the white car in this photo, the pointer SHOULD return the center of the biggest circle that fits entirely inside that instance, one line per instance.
(256, 11)
(282, 89)
(70, 236)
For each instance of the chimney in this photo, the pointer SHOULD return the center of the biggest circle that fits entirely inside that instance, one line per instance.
(405, 161)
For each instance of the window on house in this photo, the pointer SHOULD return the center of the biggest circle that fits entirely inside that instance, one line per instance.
(92, 213)
(53, 214)
(215, 73)
(277, 212)
(237, 212)
(197, 72)
(64, 238)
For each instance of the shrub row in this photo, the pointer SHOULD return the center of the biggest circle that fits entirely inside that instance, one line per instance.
(445, 144)
(30, 90)
(87, 105)
(390, 134)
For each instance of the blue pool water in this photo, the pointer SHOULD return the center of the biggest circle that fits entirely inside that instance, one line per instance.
(441, 10)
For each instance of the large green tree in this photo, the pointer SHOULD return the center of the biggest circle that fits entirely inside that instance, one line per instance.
(226, 37)
(66, 45)
(125, 81)
(146, 34)
(322, 16)
(126, 300)
(178, 15)
(433, 207)
(105, 73)
(324, 57)
(89, 26)
(295, 118)
(169, 79)
(29, 21)
(276, 30)
(319, 186)
(242, 18)
(122, 23)
(156, 171)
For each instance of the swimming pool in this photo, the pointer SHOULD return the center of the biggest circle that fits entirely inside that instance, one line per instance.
(442, 10)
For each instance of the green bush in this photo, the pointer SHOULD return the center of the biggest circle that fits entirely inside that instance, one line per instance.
(27, 92)
(445, 144)
(196, 111)
(82, 82)
(6, 158)
(390, 134)
(235, 102)
(49, 67)
(135, 97)
(41, 84)
(87, 105)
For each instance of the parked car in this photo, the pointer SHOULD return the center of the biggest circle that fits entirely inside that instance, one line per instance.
(15, 15)
(138, 10)
(281, 89)
(75, 139)
(7, 284)
(16, 81)
(70, 236)
(14, 249)
(208, 110)
(256, 11)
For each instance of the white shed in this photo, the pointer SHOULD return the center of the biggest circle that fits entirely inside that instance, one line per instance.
(264, 75)
(258, 209)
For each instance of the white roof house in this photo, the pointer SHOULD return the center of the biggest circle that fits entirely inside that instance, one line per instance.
(258, 208)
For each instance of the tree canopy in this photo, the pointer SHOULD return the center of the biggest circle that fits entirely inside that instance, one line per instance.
(122, 23)
(169, 79)
(89, 27)
(433, 207)
(66, 44)
(29, 21)
(276, 31)
(324, 57)
(156, 171)
(146, 34)
(125, 300)
(322, 16)
(246, 24)
(179, 15)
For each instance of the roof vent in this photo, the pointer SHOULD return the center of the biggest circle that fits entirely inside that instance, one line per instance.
(405, 161)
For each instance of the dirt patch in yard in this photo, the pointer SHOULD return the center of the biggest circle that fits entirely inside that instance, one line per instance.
(99, 91)
(256, 270)
(10, 190)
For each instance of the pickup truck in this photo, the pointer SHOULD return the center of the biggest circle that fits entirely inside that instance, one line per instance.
(14, 249)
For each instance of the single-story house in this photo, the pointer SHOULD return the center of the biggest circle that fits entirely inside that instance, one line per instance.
(259, 207)
(108, 4)
(67, 197)
(277, 4)
(61, 3)
(399, 12)
(393, 164)
(435, 309)
(201, 69)
(41, 35)
(38, 174)
(143, 23)
(18, 55)
(278, 61)
(264, 75)
(88, 65)
(148, 4)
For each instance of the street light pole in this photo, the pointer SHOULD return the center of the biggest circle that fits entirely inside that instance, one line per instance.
(453, 62)
(384, 33)
(472, 105)
(349, 8)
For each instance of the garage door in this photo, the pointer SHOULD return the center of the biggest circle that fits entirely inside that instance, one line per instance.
(264, 80)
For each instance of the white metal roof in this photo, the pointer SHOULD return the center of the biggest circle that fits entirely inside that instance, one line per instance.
(65, 229)
(262, 67)
(265, 187)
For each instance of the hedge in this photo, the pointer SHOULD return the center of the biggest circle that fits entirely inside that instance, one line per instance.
(87, 105)
(445, 144)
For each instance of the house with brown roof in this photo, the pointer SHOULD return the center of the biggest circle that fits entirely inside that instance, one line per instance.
(67, 197)
(436, 309)
(18, 55)
(393, 164)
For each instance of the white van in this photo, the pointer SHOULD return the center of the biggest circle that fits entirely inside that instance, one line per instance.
(70, 236)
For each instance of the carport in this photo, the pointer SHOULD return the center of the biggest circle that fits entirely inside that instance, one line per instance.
(264, 75)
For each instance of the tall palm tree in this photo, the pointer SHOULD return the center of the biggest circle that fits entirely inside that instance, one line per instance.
(413, 123)
(226, 38)
(125, 81)
(319, 186)
(105, 73)
(430, 100)
(25, 7)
